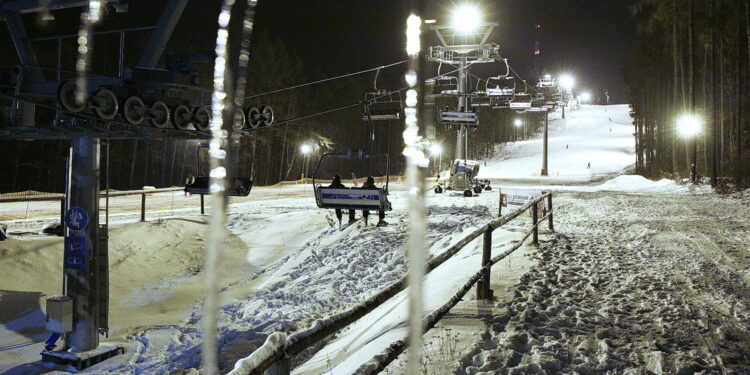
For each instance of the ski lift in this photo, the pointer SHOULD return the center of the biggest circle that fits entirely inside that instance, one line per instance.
(521, 101)
(449, 117)
(446, 85)
(546, 81)
(237, 187)
(354, 198)
(382, 105)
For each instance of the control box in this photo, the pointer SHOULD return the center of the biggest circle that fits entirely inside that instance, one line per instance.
(59, 314)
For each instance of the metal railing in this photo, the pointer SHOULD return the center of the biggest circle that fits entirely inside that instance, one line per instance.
(276, 352)
(40, 196)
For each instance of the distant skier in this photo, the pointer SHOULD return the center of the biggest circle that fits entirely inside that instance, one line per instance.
(370, 184)
(588, 166)
(336, 184)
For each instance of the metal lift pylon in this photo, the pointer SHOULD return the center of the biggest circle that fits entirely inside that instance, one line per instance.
(80, 316)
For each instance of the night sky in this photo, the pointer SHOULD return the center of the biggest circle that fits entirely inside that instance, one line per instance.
(590, 39)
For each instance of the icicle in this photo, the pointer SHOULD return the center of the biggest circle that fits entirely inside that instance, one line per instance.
(218, 173)
(415, 157)
(88, 19)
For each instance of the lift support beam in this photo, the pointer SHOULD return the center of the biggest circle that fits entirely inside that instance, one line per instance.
(164, 29)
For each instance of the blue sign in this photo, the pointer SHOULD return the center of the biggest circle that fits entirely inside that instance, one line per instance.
(76, 218)
(75, 253)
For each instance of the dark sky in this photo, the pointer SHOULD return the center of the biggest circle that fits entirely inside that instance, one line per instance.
(590, 39)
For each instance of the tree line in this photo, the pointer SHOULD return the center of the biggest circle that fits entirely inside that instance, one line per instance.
(692, 58)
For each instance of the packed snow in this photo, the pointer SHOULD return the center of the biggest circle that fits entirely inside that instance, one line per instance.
(640, 276)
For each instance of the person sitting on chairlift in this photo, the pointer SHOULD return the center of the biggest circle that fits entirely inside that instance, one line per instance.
(370, 184)
(336, 184)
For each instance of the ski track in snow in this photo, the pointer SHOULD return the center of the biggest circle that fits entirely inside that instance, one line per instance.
(330, 273)
(633, 284)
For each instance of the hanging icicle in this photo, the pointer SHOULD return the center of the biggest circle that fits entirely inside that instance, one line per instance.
(416, 160)
(218, 154)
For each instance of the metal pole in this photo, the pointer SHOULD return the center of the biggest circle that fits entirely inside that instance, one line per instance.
(500, 203)
(143, 207)
(203, 205)
(461, 140)
(80, 262)
(563, 106)
(535, 217)
(545, 166)
(483, 287)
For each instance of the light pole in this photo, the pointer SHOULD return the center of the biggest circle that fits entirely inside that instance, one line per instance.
(689, 126)
(436, 151)
(545, 153)
(517, 123)
(567, 83)
(305, 149)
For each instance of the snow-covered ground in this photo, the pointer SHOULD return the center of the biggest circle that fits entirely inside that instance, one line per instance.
(641, 275)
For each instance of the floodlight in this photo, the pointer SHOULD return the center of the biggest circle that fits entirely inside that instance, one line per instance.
(518, 123)
(466, 18)
(436, 149)
(305, 149)
(689, 125)
(567, 82)
(586, 97)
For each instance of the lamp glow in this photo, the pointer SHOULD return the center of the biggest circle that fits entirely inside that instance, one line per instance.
(466, 18)
(518, 123)
(689, 125)
(305, 149)
(586, 97)
(567, 82)
(436, 149)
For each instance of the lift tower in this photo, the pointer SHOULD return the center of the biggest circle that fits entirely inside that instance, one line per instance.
(462, 47)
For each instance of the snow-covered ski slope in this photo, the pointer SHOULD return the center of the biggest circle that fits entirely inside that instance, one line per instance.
(601, 136)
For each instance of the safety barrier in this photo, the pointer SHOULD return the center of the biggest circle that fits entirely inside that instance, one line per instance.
(276, 352)
(32, 196)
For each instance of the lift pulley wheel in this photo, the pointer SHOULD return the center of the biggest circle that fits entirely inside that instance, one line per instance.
(159, 115)
(202, 119)
(105, 104)
(66, 95)
(239, 120)
(134, 110)
(267, 114)
(181, 117)
(253, 117)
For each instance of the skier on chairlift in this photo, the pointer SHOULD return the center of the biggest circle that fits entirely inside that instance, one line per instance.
(336, 184)
(370, 184)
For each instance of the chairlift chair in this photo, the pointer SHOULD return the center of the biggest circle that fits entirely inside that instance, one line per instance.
(521, 101)
(382, 105)
(446, 85)
(236, 186)
(449, 117)
(354, 198)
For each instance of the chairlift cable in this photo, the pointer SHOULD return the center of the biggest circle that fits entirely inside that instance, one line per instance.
(325, 80)
(304, 117)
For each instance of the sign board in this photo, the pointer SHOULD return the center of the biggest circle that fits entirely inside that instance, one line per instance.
(75, 253)
(76, 218)
(519, 197)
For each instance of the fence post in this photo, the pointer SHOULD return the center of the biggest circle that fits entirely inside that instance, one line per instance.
(143, 207)
(549, 207)
(535, 216)
(203, 206)
(500, 204)
(280, 367)
(483, 286)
